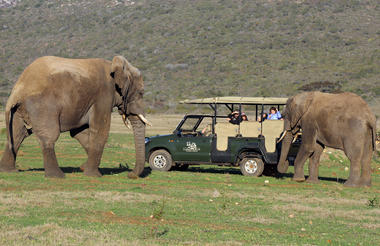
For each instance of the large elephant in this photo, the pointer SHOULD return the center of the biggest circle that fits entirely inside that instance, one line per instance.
(55, 95)
(342, 121)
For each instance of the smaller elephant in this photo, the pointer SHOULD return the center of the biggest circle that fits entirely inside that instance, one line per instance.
(341, 121)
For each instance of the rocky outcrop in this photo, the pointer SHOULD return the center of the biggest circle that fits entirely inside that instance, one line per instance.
(8, 3)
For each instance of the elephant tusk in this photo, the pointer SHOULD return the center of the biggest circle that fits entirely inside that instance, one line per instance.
(282, 136)
(143, 119)
(295, 138)
(126, 122)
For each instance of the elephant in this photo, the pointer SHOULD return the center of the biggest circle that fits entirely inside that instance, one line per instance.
(341, 121)
(55, 95)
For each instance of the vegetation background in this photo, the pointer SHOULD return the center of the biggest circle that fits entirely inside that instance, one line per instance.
(191, 49)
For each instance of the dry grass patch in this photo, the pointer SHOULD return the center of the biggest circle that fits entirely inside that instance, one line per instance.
(161, 123)
(244, 195)
(371, 226)
(25, 199)
(258, 219)
(324, 201)
(11, 212)
(46, 199)
(115, 196)
(371, 215)
(53, 234)
(300, 208)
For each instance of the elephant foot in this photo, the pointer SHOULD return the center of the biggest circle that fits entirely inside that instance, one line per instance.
(7, 169)
(283, 168)
(365, 183)
(312, 180)
(132, 175)
(351, 183)
(92, 172)
(298, 179)
(54, 174)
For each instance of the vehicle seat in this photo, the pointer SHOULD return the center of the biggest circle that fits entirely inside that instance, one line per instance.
(272, 129)
(250, 128)
(223, 131)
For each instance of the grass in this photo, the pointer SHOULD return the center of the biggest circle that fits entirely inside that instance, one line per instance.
(206, 205)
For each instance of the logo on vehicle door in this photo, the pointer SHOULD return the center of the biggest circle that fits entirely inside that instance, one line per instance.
(191, 147)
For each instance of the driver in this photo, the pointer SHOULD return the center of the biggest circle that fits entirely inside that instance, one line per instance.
(206, 131)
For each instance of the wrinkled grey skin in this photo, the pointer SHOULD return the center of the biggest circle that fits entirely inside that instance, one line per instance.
(55, 95)
(342, 121)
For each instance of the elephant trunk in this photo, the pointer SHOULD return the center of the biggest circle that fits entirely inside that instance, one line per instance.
(283, 164)
(139, 134)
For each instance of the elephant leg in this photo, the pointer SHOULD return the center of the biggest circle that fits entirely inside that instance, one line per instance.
(98, 134)
(365, 178)
(47, 138)
(306, 149)
(46, 127)
(353, 150)
(314, 164)
(82, 135)
(19, 133)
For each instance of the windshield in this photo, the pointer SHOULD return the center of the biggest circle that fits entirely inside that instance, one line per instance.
(189, 124)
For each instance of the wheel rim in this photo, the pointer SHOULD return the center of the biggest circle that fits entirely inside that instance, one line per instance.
(159, 161)
(251, 166)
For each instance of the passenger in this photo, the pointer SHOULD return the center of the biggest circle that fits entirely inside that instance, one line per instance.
(265, 116)
(274, 114)
(244, 117)
(234, 118)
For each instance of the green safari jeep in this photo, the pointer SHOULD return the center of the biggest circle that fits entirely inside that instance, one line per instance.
(211, 139)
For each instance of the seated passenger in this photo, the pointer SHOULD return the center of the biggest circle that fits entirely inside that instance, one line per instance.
(264, 117)
(234, 118)
(244, 117)
(274, 114)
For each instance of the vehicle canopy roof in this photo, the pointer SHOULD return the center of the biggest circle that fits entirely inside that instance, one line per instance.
(238, 100)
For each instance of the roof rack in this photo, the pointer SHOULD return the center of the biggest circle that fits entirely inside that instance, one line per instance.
(238, 100)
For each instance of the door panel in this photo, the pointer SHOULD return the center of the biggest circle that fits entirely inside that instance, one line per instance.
(192, 148)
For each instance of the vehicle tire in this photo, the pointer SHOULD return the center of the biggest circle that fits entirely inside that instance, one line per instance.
(181, 167)
(251, 166)
(160, 160)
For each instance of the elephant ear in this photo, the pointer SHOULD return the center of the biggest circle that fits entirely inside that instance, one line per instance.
(297, 107)
(123, 73)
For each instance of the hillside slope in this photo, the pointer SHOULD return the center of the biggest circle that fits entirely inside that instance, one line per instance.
(189, 49)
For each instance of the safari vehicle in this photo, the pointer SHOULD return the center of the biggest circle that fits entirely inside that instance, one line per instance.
(211, 139)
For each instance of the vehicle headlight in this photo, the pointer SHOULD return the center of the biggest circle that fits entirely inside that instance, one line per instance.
(147, 140)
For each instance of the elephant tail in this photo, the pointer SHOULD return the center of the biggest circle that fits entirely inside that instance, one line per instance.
(372, 127)
(9, 113)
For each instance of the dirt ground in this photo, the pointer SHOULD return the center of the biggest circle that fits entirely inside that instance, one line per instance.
(161, 124)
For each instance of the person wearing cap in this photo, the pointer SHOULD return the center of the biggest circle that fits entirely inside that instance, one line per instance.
(234, 118)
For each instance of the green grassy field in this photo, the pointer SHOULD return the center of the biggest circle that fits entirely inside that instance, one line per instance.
(202, 206)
